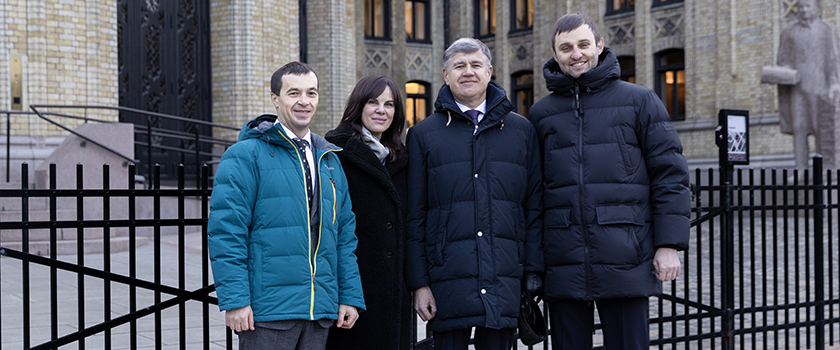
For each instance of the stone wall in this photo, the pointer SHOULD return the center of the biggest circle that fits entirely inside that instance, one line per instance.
(68, 55)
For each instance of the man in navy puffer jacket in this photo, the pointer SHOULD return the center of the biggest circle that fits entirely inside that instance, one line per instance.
(616, 198)
(473, 225)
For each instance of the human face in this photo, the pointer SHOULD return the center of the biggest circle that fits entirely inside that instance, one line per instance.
(807, 9)
(576, 51)
(378, 113)
(467, 75)
(297, 102)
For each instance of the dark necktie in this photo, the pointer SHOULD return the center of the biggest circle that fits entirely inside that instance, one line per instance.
(473, 114)
(303, 145)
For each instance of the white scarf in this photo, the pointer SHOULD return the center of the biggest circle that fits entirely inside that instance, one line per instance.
(378, 149)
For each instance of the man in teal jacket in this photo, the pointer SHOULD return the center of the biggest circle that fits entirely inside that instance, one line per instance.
(281, 230)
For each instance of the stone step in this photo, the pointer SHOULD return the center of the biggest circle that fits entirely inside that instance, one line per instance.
(66, 247)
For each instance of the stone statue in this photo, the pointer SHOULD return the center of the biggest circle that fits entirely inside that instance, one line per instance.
(808, 74)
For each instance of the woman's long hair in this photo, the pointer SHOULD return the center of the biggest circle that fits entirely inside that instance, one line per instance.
(368, 88)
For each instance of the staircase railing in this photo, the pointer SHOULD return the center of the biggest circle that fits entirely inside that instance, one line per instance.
(150, 133)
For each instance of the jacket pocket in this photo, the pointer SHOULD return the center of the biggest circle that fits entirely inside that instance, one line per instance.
(622, 145)
(437, 223)
(618, 234)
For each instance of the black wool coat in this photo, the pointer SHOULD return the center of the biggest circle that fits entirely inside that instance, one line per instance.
(474, 224)
(378, 196)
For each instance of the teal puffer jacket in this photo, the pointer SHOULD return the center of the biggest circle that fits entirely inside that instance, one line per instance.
(258, 230)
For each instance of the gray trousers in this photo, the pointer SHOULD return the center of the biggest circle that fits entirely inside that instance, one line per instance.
(286, 335)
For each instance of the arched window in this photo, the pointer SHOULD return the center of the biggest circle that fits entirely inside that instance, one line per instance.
(523, 91)
(670, 81)
(628, 68)
(417, 102)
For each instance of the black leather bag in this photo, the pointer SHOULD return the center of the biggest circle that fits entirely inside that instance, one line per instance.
(531, 320)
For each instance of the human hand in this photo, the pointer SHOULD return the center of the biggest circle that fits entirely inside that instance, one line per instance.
(240, 320)
(666, 263)
(347, 316)
(424, 303)
(533, 284)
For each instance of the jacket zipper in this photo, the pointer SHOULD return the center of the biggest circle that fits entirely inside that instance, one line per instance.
(579, 118)
(312, 265)
(313, 259)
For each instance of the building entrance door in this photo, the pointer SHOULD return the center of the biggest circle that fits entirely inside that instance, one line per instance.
(164, 67)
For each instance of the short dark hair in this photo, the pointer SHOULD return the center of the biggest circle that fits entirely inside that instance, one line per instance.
(291, 68)
(572, 21)
(368, 88)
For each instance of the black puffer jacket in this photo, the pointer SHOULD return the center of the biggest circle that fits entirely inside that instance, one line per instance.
(378, 196)
(616, 184)
(473, 211)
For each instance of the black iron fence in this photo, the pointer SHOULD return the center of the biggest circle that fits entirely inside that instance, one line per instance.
(762, 271)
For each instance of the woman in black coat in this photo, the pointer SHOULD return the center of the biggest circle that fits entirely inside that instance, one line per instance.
(374, 160)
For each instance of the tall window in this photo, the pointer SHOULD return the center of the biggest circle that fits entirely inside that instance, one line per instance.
(485, 18)
(417, 20)
(628, 68)
(670, 82)
(523, 91)
(417, 102)
(664, 2)
(619, 6)
(522, 13)
(377, 19)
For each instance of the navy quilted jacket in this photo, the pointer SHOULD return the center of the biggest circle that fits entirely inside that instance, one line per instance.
(616, 184)
(474, 208)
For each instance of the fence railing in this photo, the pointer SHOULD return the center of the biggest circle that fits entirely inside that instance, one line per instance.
(146, 135)
(762, 270)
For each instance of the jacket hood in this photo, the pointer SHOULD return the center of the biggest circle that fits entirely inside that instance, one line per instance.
(605, 72)
(497, 103)
(265, 128)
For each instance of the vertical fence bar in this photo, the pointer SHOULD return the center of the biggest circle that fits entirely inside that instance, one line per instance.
(775, 215)
(829, 183)
(182, 284)
(80, 248)
(106, 249)
(801, 209)
(24, 217)
(132, 252)
(806, 212)
(205, 256)
(8, 143)
(727, 257)
(712, 294)
(819, 267)
(753, 302)
(763, 186)
(738, 191)
(158, 314)
(53, 253)
(786, 250)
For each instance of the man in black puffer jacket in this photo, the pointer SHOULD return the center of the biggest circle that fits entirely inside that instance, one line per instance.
(474, 200)
(616, 198)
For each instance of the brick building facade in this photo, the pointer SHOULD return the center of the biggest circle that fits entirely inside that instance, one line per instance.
(708, 54)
